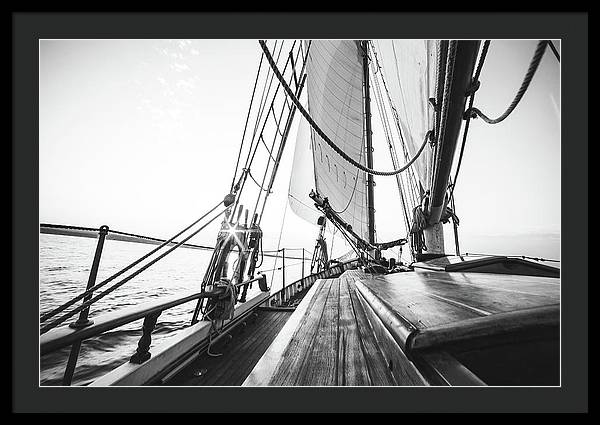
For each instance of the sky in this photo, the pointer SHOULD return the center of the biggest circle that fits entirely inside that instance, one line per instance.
(142, 135)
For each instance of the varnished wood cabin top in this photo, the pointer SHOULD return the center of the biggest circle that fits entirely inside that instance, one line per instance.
(332, 338)
(431, 298)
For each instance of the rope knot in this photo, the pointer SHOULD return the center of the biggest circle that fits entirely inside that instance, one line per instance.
(433, 102)
(470, 113)
(432, 138)
(473, 87)
(229, 199)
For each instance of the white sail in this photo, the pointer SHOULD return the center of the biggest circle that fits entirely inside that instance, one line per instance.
(302, 179)
(335, 102)
(410, 70)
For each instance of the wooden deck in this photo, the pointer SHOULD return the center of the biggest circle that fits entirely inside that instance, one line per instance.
(361, 329)
(239, 353)
(330, 341)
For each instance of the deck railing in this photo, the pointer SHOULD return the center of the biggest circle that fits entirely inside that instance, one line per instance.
(63, 337)
(281, 297)
(84, 328)
(58, 338)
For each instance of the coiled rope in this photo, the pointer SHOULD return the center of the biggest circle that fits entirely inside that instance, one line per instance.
(417, 238)
(533, 66)
(320, 132)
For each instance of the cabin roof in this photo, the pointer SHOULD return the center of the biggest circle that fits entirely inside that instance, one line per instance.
(429, 298)
(489, 264)
(414, 310)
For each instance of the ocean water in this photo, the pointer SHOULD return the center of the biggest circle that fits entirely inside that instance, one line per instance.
(64, 266)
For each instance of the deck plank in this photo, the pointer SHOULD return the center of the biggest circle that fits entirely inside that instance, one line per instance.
(320, 366)
(295, 353)
(238, 357)
(401, 368)
(255, 350)
(379, 373)
(341, 340)
(351, 358)
(249, 345)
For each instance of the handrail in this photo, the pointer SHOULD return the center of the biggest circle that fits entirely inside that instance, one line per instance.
(65, 336)
(115, 286)
(128, 267)
(315, 275)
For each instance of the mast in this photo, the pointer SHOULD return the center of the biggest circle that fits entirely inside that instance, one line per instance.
(369, 145)
(464, 62)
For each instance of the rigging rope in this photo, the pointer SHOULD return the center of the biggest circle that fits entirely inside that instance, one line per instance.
(253, 149)
(289, 120)
(455, 223)
(255, 182)
(332, 239)
(279, 241)
(410, 179)
(283, 139)
(349, 241)
(186, 245)
(123, 270)
(417, 239)
(323, 205)
(86, 304)
(388, 134)
(320, 132)
(281, 267)
(449, 73)
(553, 47)
(533, 66)
(474, 86)
(265, 94)
(247, 119)
(261, 108)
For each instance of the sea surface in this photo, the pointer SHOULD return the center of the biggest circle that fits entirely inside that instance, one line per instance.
(65, 263)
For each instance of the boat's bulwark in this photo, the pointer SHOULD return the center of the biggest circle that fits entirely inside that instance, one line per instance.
(173, 351)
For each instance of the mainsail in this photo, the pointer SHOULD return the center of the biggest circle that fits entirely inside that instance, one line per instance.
(412, 74)
(302, 178)
(410, 71)
(336, 103)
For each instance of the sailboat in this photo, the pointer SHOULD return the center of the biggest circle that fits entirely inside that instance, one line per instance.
(361, 319)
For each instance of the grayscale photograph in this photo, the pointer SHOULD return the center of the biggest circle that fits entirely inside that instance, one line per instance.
(315, 212)
(277, 212)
